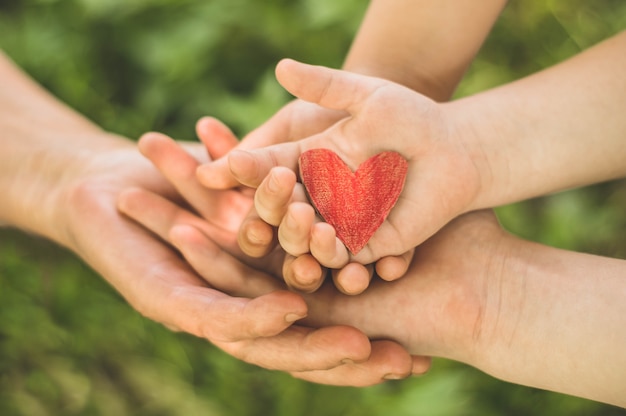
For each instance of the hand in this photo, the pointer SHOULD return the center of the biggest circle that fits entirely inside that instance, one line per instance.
(442, 181)
(479, 295)
(450, 287)
(360, 365)
(301, 271)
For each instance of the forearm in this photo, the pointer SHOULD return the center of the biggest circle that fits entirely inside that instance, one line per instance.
(403, 41)
(42, 139)
(557, 322)
(557, 129)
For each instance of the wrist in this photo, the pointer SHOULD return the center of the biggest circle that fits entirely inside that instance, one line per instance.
(436, 88)
(40, 175)
(478, 135)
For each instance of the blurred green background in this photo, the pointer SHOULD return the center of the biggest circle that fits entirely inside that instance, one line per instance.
(69, 345)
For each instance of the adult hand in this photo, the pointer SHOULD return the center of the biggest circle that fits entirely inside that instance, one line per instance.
(334, 355)
(479, 295)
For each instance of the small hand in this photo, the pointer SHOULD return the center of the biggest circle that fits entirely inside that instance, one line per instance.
(362, 364)
(442, 180)
(301, 270)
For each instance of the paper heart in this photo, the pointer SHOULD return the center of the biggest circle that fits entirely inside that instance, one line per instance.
(354, 203)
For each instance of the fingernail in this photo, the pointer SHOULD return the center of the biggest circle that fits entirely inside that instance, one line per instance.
(273, 184)
(393, 377)
(293, 317)
(347, 361)
(291, 222)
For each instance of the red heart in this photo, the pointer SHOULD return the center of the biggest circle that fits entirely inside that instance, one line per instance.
(355, 204)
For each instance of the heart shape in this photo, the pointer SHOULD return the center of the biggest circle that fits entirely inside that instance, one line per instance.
(354, 203)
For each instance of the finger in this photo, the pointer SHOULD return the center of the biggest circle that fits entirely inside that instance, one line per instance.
(159, 216)
(303, 273)
(216, 137)
(217, 175)
(225, 208)
(273, 195)
(257, 330)
(330, 88)
(421, 365)
(303, 348)
(387, 361)
(164, 288)
(391, 268)
(256, 238)
(294, 233)
(219, 268)
(219, 140)
(250, 167)
(353, 279)
(220, 318)
(326, 247)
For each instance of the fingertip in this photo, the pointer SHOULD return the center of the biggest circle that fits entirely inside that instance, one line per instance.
(127, 200)
(284, 66)
(394, 360)
(205, 122)
(353, 279)
(244, 168)
(420, 365)
(216, 175)
(303, 273)
(326, 247)
(148, 139)
(216, 136)
(281, 307)
(391, 268)
(256, 238)
(351, 345)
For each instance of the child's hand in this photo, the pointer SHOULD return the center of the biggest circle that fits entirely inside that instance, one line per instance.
(303, 272)
(282, 202)
(442, 181)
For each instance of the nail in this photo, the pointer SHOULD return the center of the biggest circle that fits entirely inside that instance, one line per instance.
(273, 184)
(293, 317)
(393, 377)
(291, 222)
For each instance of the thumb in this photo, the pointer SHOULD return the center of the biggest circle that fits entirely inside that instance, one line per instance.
(250, 167)
(330, 88)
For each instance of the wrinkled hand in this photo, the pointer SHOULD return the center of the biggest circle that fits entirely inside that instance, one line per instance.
(246, 326)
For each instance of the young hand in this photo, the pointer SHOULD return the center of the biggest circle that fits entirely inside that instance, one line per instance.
(443, 177)
(226, 273)
(301, 271)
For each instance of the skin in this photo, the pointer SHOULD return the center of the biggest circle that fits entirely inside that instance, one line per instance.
(232, 273)
(472, 148)
(520, 311)
(61, 177)
(53, 190)
(523, 312)
(401, 41)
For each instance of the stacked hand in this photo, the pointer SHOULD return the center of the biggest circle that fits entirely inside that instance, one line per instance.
(442, 181)
(303, 351)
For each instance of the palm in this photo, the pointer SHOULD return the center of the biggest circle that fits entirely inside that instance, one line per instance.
(450, 288)
(294, 347)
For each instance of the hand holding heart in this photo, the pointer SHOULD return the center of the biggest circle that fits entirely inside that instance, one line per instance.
(441, 180)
